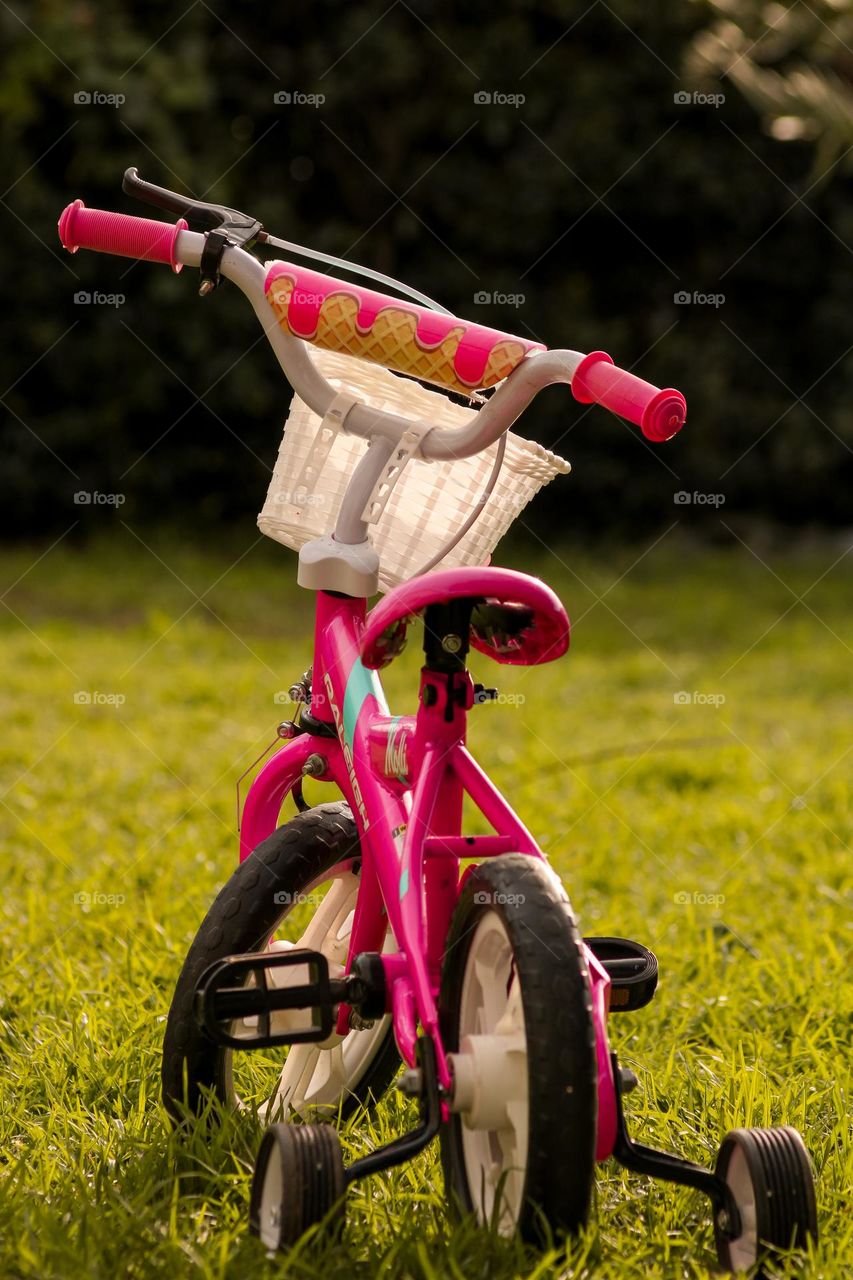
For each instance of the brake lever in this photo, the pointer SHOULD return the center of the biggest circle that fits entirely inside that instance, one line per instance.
(225, 227)
(241, 228)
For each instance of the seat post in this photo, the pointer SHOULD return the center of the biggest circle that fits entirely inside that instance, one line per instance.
(447, 627)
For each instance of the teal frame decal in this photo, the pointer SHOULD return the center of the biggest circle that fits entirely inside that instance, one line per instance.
(360, 684)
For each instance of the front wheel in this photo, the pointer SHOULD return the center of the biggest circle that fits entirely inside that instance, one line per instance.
(516, 1015)
(298, 888)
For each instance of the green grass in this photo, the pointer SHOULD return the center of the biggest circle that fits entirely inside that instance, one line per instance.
(719, 834)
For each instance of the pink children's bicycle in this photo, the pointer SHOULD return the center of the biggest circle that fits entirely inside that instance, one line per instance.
(374, 929)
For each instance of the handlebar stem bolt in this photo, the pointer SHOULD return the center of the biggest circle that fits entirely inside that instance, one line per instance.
(451, 643)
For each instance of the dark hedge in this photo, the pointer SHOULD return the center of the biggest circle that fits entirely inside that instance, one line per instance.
(599, 198)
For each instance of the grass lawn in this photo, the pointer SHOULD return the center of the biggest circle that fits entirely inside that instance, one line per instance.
(717, 832)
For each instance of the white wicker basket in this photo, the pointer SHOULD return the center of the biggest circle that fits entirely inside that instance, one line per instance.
(430, 501)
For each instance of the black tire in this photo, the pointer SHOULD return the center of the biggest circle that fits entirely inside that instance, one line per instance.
(298, 1182)
(562, 1079)
(770, 1175)
(242, 919)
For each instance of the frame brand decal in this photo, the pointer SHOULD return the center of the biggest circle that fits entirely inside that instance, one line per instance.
(397, 752)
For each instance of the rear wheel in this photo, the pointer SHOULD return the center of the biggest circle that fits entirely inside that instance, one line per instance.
(516, 1014)
(298, 888)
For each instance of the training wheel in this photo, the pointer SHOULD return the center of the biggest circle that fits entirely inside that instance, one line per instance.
(298, 1181)
(769, 1174)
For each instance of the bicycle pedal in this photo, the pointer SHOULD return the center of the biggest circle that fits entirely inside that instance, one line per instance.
(632, 968)
(260, 1000)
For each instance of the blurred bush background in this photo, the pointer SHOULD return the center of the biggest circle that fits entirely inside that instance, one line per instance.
(698, 150)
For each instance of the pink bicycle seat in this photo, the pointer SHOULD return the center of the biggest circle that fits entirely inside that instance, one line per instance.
(516, 619)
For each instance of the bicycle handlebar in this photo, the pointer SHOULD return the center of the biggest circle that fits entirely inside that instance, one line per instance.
(120, 233)
(593, 378)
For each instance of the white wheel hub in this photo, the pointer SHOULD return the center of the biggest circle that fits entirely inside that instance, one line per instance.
(490, 1076)
(743, 1251)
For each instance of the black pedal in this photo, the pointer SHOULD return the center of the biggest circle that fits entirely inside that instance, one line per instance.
(632, 968)
(238, 989)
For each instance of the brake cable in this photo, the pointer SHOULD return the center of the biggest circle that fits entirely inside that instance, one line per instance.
(479, 507)
(227, 226)
(343, 264)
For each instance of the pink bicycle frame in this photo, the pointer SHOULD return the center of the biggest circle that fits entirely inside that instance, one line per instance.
(404, 778)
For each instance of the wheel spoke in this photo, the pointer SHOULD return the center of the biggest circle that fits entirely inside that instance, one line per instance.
(336, 903)
(492, 998)
(330, 1071)
(296, 1074)
(314, 1075)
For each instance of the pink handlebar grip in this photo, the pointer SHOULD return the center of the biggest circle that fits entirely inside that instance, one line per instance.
(659, 414)
(120, 233)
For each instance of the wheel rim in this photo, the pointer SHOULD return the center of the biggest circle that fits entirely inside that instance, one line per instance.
(269, 1209)
(313, 1077)
(743, 1250)
(490, 1003)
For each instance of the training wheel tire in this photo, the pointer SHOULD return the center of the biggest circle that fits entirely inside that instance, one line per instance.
(769, 1174)
(298, 1181)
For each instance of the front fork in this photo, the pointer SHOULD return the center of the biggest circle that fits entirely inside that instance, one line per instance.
(270, 788)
